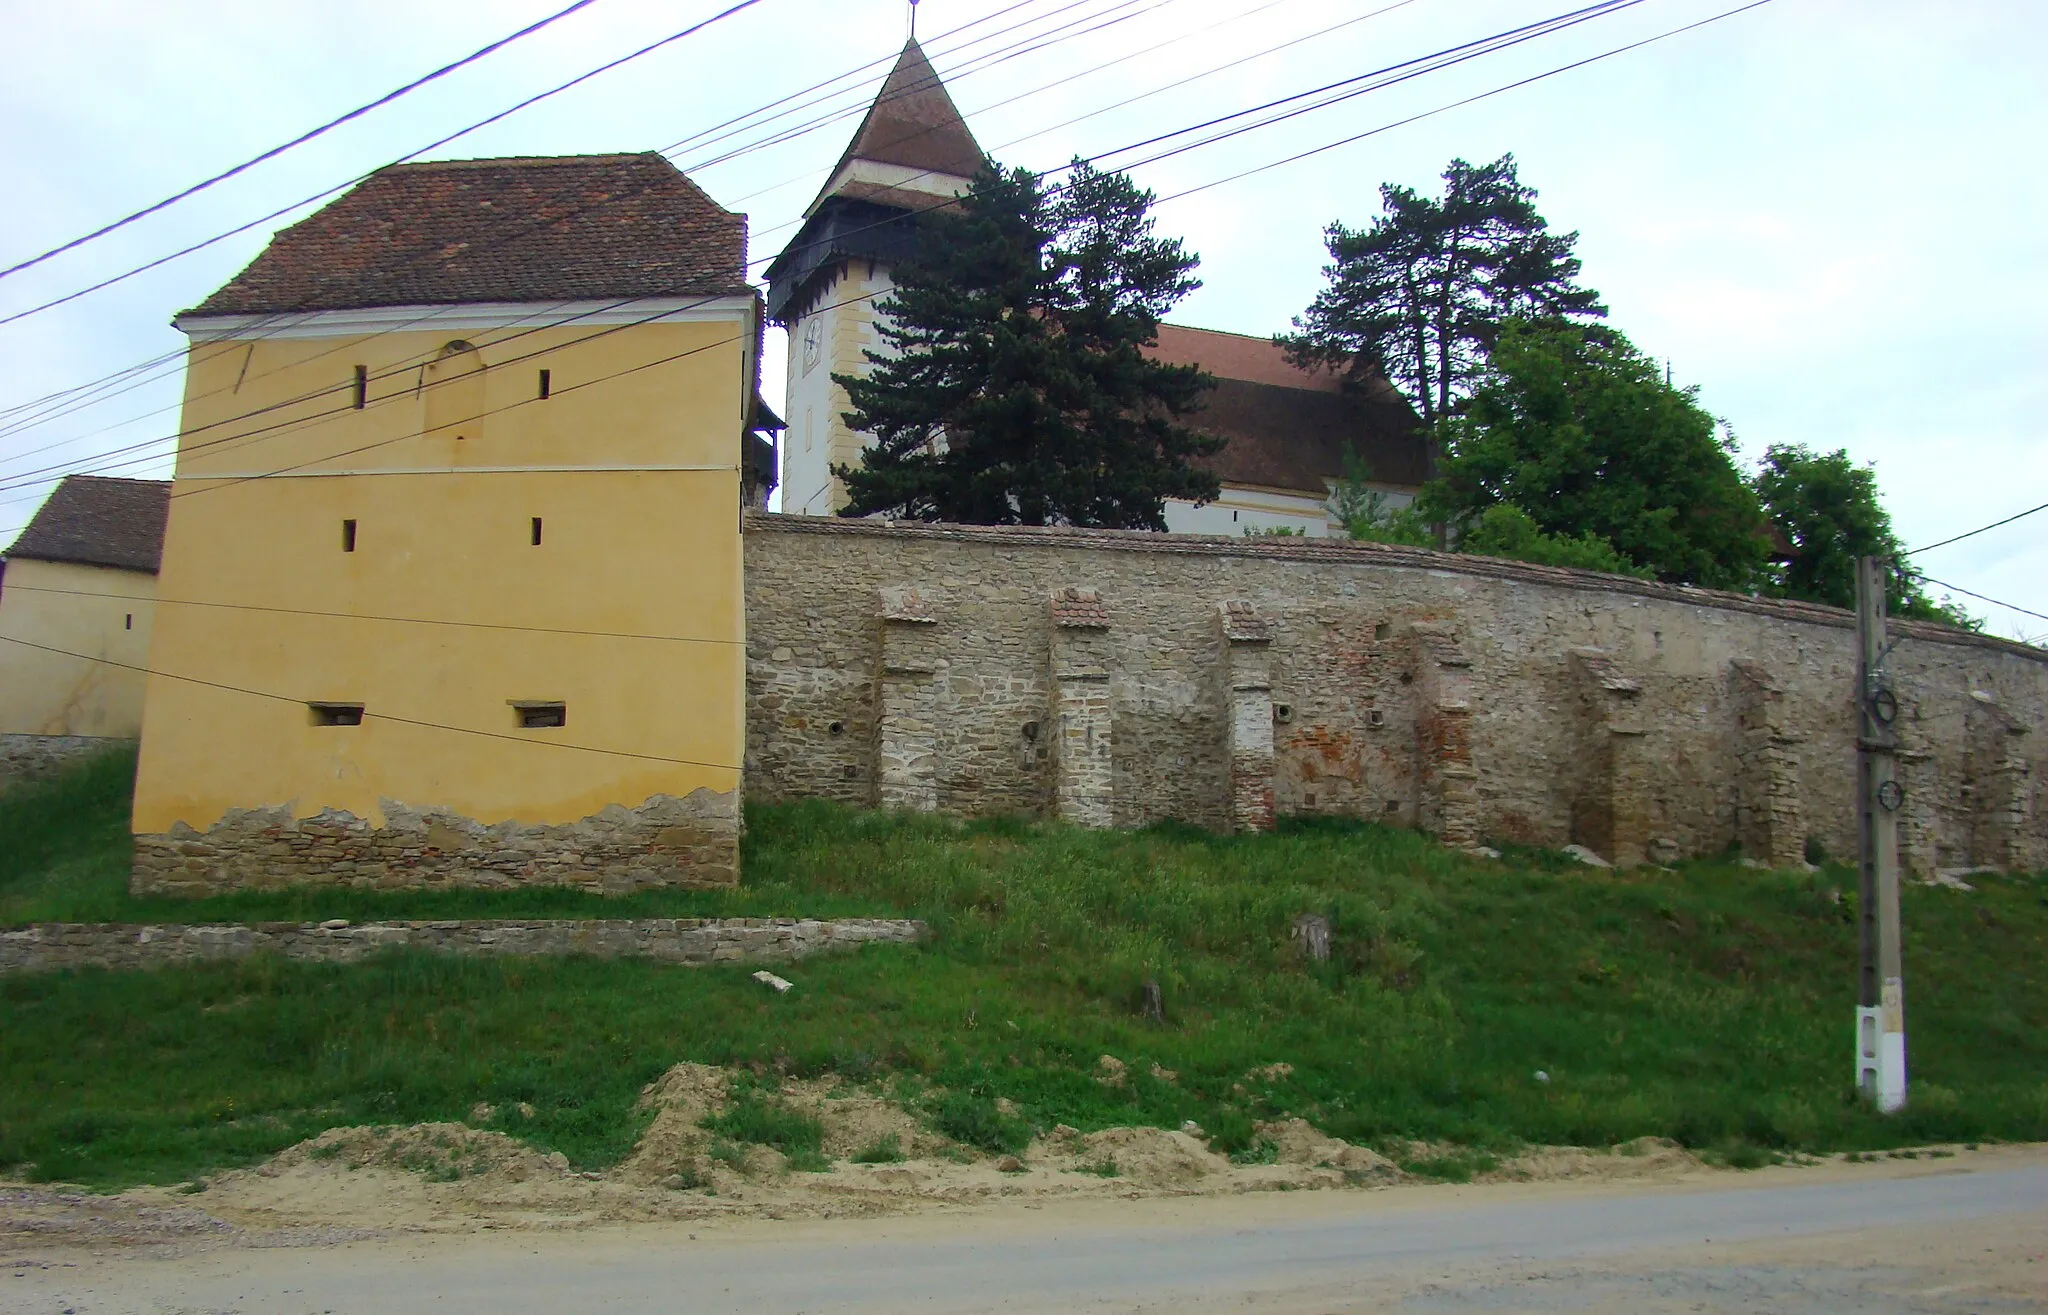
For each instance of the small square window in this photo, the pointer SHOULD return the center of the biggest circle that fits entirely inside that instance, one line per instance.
(539, 716)
(336, 714)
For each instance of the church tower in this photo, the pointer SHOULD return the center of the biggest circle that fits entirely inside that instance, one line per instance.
(913, 152)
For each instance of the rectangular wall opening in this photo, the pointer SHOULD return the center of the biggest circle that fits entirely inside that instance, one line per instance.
(361, 398)
(128, 621)
(546, 383)
(336, 714)
(348, 536)
(536, 531)
(535, 716)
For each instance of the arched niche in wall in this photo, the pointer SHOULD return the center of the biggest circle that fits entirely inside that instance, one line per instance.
(454, 382)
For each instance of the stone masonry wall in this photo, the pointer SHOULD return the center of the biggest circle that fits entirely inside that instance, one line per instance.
(1478, 699)
(668, 842)
(23, 756)
(690, 941)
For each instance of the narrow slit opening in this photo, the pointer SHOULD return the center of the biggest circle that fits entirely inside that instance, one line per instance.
(336, 714)
(348, 536)
(546, 383)
(536, 531)
(361, 396)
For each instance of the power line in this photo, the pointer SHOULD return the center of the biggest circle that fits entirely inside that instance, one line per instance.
(22, 479)
(1047, 173)
(1464, 51)
(173, 358)
(1459, 104)
(1982, 598)
(369, 715)
(650, 48)
(1969, 534)
(371, 616)
(299, 140)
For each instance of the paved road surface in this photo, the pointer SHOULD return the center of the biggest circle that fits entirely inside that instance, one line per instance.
(1956, 1242)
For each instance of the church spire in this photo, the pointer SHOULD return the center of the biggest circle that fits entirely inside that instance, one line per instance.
(913, 132)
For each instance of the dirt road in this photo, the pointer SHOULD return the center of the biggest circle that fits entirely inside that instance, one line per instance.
(1965, 1235)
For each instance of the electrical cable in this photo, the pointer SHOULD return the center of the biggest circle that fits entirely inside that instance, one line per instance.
(1982, 598)
(367, 714)
(370, 616)
(1519, 34)
(731, 9)
(174, 357)
(1970, 534)
(300, 140)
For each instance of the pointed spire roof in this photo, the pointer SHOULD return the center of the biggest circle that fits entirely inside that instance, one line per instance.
(913, 124)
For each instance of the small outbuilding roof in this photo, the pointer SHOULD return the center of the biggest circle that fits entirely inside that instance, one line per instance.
(92, 520)
(450, 232)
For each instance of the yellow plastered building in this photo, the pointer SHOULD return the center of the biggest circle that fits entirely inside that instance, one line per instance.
(77, 591)
(451, 590)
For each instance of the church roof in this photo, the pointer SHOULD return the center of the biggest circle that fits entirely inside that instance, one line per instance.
(555, 228)
(1288, 428)
(97, 520)
(913, 124)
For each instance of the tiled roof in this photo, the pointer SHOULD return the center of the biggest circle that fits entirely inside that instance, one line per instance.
(914, 123)
(1079, 609)
(567, 228)
(1289, 428)
(96, 521)
(1238, 356)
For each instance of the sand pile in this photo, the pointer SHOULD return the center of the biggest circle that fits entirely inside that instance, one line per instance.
(878, 1157)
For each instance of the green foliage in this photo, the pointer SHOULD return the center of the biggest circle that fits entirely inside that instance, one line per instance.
(64, 835)
(1015, 390)
(1579, 430)
(1419, 295)
(886, 1149)
(1706, 1004)
(973, 1118)
(1507, 531)
(760, 1118)
(1827, 511)
(1365, 513)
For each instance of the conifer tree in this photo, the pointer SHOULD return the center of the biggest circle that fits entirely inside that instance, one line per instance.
(1014, 390)
(1421, 294)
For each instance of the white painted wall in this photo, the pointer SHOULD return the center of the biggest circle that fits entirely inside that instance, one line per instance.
(832, 337)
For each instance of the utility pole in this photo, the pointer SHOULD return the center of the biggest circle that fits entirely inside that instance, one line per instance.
(1881, 1000)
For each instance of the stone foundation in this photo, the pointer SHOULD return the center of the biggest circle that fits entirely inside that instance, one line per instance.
(690, 941)
(665, 842)
(24, 756)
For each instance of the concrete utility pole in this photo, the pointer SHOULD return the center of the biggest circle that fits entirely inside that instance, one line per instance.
(1881, 1000)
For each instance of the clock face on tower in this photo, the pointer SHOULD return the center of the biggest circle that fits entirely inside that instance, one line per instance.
(814, 336)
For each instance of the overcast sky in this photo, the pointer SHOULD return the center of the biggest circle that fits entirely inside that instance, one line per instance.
(1827, 214)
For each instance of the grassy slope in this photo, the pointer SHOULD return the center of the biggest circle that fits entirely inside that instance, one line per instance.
(1710, 1004)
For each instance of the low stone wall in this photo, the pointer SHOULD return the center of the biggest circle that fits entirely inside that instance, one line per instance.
(23, 756)
(666, 842)
(690, 941)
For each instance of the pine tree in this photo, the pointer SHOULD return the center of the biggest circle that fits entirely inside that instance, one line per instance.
(1420, 295)
(1015, 390)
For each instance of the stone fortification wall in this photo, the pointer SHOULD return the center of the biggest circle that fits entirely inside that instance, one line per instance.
(690, 941)
(23, 756)
(690, 842)
(1118, 678)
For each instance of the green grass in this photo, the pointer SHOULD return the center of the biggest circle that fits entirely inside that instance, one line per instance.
(757, 1116)
(1711, 1005)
